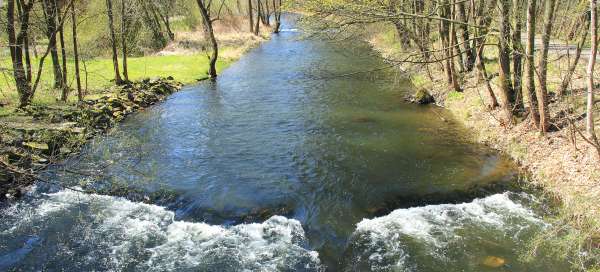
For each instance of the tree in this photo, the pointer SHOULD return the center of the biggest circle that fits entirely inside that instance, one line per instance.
(124, 27)
(16, 44)
(51, 15)
(207, 21)
(76, 53)
(113, 42)
(504, 60)
(590, 74)
(530, 91)
(542, 92)
(61, 34)
(277, 15)
(250, 16)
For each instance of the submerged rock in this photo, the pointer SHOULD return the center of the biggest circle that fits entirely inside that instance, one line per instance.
(494, 262)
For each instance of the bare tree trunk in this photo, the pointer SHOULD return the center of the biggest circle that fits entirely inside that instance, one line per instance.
(573, 66)
(470, 52)
(76, 53)
(250, 16)
(63, 51)
(542, 92)
(15, 43)
(530, 91)
(484, 20)
(504, 60)
(210, 34)
(589, 121)
(483, 74)
(258, 14)
(517, 94)
(277, 15)
(113, 39)
(453, 47)
(124, 26)
(50, 12)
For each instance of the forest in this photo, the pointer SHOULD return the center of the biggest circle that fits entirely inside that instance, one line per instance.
(485, 96)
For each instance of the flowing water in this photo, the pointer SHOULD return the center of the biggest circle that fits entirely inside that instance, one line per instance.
(283, 164)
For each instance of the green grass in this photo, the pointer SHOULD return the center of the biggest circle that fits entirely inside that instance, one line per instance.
(187, 69)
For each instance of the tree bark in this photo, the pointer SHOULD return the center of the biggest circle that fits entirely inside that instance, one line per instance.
(63, 52)
(573, 66)
(589, 121)
(542, 92)
(469, 52)
(530, 91)
(258, 14)
(504, 75)
(250, 16)
(113, 39)
(15, 43)
(517, 94)
(76, 53)
(210, 35)
(50, 13)
(124, 26)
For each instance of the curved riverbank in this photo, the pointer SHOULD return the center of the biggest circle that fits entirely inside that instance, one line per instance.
(37, 136)
(560, 162)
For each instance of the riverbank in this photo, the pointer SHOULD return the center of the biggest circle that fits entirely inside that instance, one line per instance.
(561, 162)
(184, 59)
(36, 136)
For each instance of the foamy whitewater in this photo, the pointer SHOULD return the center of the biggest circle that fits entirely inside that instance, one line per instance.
(93, 232)
(434, 238)
(82, 232)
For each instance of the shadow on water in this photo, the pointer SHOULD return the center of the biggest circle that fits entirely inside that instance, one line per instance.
(272, 137)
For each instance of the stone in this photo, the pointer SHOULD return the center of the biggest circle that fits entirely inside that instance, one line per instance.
(422, 97)
(494, 261)
(43, 147)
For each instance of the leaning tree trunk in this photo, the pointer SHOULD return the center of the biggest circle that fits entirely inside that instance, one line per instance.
(113, 40)
(210, 35)
(542, 91)
(573, 66)
(76, 53)
(484, 20)
(590, 73)
(530, 91)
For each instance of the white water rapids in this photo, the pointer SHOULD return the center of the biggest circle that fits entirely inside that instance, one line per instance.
(113, 234)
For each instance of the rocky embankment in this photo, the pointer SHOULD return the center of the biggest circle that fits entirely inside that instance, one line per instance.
(36, 136)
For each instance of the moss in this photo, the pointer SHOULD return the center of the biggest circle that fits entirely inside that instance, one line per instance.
(455, 96)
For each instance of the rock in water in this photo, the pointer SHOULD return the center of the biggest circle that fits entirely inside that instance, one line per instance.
(493, 261)
(421, 97)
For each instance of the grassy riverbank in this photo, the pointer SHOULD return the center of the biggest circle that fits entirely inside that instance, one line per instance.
(183, 59)
(561, 162)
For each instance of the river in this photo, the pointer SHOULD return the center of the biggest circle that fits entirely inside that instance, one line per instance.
(291, 161)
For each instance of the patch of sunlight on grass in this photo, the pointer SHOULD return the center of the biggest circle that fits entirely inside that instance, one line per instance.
(97, 75)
